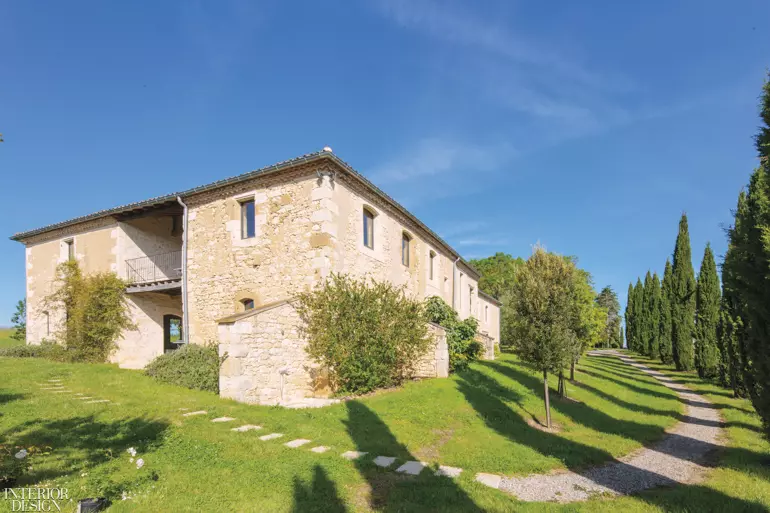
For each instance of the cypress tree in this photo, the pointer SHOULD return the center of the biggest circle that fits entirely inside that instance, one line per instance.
(630, 317)
(707, 300)
(664, 340)
(683, 300)
(655, 318)
(646, 320)
(638, 316)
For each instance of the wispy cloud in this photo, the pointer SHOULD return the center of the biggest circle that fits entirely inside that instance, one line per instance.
(437, 156)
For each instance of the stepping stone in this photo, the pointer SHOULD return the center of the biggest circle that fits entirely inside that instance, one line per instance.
(98, 401)
(490, 480)
(353, 455)
(80, 393)
(184, 409)
(85, 398)
(247, 427)
(271, 436)
(299, 442)
(62, 391)
(444, 470)
(384, 461)
(222, 419)
(200, 412)
(412, 468)
(320, 449)
(54, 381)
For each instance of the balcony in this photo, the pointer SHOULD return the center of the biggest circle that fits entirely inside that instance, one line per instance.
(155, 273)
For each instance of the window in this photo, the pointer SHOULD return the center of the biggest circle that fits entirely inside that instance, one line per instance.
(70, 249)
(431, 261)
(248, 228)
(405, 240)
(176, 225)
(368, 229)
(486, 314)
(172, 332)
(248, 304)
(470, 299)
(47, 324)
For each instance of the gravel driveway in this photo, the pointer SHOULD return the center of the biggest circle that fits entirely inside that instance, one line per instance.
(677, 458)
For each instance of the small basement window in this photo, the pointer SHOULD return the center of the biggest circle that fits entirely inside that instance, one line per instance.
(248, 220)
(368, 228)
(405, 242)
(248, 304)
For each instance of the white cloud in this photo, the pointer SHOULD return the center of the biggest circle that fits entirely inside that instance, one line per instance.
(437, 156)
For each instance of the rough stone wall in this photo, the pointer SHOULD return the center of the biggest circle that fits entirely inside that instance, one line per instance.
(94, 242)
(489, 346)
(139, 347)
(291, 252)
(435, 364)
(258, 348)
(383, 261)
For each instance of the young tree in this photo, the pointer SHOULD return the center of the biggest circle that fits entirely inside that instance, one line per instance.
(664, 338)
(19, 320)
(707, 300)
(588, 322)
(683, 300)
(608, 300)
(542, 295)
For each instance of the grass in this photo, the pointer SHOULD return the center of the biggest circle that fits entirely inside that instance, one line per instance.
(483, 420)
(6, 340)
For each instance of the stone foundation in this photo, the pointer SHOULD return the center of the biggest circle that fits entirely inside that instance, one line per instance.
(435, 364)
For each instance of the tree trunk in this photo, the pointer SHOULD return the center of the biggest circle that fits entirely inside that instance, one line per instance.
(572, 371)
(547, 401)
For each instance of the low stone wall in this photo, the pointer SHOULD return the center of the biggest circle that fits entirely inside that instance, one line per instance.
(435, 364)
(489, 346)
(266, 359)
(264, 345)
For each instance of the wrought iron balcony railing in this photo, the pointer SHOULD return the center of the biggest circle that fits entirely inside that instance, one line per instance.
(155, 268)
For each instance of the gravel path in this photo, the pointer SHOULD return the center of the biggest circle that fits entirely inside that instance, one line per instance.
(678, 458)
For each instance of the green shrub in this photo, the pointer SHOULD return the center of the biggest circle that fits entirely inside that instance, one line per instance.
(45, 350)
(96, 312)
(367, 334)
(191, 366)
(460, 335)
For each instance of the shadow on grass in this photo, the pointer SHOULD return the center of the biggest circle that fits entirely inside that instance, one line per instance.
(388, 490)
(485, 393)
(320, 496)
(82, 440)
(9, 397)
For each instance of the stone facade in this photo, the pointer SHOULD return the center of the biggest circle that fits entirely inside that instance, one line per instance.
(308, 222)
(435, 363)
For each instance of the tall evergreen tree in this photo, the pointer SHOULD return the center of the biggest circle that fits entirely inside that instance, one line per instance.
(638, 316)
(683, 300)
(630, 317)
(665, 350)
(608, 300)
(654, 320)
(644, 321)
(707, 300)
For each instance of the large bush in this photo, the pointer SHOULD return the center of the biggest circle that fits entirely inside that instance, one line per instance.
(461, 335)
(45, 350)
(367, 334)
(95, 310)
(191, 366)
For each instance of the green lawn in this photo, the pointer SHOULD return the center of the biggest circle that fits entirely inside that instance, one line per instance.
(6, 340)
(483, 420)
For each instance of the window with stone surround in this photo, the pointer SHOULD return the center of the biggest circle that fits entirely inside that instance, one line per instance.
(248, 304)
(431, 264)
(248, 219)
(368, 228)
(406, 242)
(70, 249)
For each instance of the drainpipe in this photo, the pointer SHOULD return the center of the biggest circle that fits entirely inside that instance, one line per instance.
(185, 317)
(454, 284)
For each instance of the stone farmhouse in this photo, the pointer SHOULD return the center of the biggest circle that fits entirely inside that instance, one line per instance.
(221, 263)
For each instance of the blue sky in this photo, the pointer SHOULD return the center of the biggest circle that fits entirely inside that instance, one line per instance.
(586, 126)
